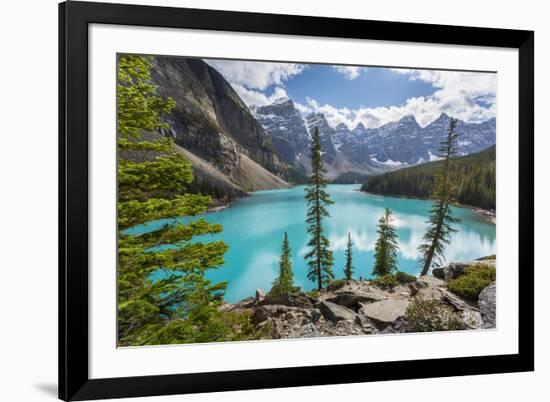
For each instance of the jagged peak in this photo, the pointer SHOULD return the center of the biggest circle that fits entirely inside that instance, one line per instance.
(341, 126)
(359, 126)
(316, 115)
(281, 100)
(444, 116)
(409, 117)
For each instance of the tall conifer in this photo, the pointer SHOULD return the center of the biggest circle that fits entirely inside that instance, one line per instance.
(177, 304)
(319, 258)
(348, 269)
(385, 249)
(440, 222)
(284, 281)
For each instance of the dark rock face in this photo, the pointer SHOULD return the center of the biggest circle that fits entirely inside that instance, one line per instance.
(210, 120)
(452, 271)
(351, 144)
(326, 131)
(353, 299)
(286, 127)
(487, 305)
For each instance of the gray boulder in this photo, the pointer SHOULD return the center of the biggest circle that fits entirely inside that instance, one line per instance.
(299, 300)
(457, 302)
(399, 326)
(426, 287)
(453, 270)
(352, 299)
(385, 312)
(472, 319)
(260, 296)
(334, 312)
(487, 305)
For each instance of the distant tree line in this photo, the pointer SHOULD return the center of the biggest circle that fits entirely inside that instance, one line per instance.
(475, 177)
(223, 193)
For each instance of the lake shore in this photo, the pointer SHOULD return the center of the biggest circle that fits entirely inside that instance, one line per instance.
(488, 215)
(262, 218)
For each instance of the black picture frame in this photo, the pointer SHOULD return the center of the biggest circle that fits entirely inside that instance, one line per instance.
(74, 18)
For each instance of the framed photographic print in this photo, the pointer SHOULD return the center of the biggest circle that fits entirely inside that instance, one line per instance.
(256, 200)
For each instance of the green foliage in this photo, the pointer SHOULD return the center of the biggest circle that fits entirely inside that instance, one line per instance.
(470, 284)
(319, 258)
(314, 294)
(296, 176)
(385, 282)
(224, 194)
(348, 269)
(431, 315)
(440, 221)
(284, 281)
(213, 326)
(475, 177)
(403, 278)
(350, 178)
(385, 249)
(389, 281)
(336, 284)
(163, 295)
(138, 107)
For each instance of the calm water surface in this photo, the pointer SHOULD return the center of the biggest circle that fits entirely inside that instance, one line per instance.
(253, 228)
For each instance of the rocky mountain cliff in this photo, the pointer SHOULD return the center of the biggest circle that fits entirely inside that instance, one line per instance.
(287, 130)
(211, 122)
(318, 120)
(291, 136)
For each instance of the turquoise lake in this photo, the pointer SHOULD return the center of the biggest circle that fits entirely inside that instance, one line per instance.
(254, 226)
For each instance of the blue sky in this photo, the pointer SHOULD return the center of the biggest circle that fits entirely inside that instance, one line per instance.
(371, 95)
(374, 87)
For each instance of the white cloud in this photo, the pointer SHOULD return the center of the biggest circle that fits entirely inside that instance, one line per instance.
(464, 95)
(255, 74)
(253, 97)
(458, 94)
(350, 73)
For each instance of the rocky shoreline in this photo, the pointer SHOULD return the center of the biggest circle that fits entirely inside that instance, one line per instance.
(360, 307)
(489, 215)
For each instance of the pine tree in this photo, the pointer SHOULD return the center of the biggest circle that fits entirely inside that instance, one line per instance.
(284, 281)
(320, 258)
(348, 269)
(438, 234)
(163, 296)
(385, 249)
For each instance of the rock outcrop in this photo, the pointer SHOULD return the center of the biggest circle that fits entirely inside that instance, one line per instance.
(385, 312)
(361, 308)
(487, 305)
(334, 312)
(455, 269)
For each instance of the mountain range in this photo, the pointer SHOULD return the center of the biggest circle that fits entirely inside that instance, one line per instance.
(366, 150)
(237, 148)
